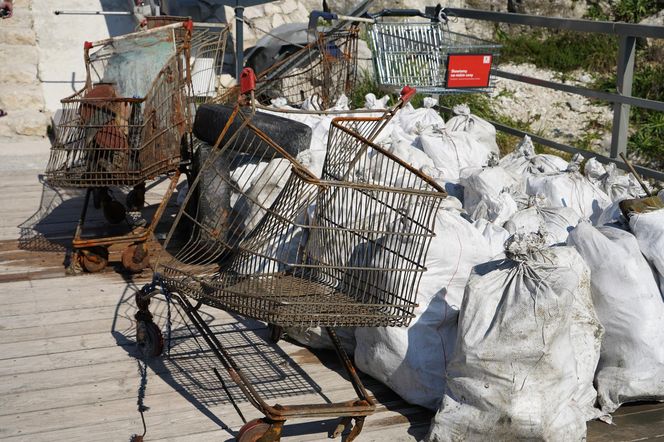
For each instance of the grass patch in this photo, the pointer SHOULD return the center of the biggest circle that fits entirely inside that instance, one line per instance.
(565, 51)
(647, 136)
(561, 51)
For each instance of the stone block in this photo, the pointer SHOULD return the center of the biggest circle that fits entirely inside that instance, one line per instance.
(272, 9)
(288, 6)
(23, 97)
(277, 20)
(17, 36)
(18, 54)
(18, 73)
(252, 12)
(24, 123)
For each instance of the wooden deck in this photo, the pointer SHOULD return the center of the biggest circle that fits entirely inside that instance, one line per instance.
(67, 365)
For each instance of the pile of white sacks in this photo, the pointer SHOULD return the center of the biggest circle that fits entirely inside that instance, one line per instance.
(541, 307)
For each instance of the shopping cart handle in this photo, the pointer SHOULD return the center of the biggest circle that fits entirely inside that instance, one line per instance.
(329, 16)
(247, 81)
(399, 13)
(407, 93)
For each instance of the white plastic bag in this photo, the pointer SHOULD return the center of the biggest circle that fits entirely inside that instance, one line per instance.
(514, 372)
(317, 337)
(495, 235)
(557, 222)
(411, 361)
(524, 161)
(570, 189)
(481, 129)
(614, 182)
(422, 120)
(488, 193)
(371, 102)
(631, 309)
(453, 151)
(649, 231)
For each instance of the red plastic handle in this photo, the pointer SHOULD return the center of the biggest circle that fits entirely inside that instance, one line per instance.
(407, 93)
(87, 45)
(247, 80)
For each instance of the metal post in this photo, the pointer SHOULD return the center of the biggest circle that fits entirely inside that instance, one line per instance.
(624, 77)
(239, 41)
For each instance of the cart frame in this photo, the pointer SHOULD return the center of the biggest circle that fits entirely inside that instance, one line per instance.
(341, 172)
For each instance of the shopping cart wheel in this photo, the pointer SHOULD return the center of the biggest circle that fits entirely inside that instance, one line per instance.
(94, 259)
(253, 430)
(135, 258)
(114, 211)
(276, 332)
(149, 339)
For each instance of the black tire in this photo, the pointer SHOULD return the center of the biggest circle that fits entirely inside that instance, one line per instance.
(291, 135)
(149, 339)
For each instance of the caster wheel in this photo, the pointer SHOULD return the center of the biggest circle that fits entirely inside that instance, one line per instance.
(276, 332)
(252, 431)
(114, 212)
(135, 258)
(149, 339)
(94, 259)
(142, 300)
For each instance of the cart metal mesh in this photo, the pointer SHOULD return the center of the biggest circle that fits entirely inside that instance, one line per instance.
(419, 54)
(290, 249)
(208, 44)
(127, 124)
(323, 70)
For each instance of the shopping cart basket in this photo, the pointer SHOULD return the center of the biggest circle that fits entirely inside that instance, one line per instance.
(427, 55)
(293, 250)
(321, 71)
(129, 124)
(208, 43)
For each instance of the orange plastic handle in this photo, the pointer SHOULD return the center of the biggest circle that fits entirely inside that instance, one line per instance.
(247, 80)
(407, 93)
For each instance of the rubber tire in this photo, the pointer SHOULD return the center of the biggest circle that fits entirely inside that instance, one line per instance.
(114, 212)
(128, 259)
(252, 430)
(149, 339)
(292, 136)
(94, 259)
(276, 332)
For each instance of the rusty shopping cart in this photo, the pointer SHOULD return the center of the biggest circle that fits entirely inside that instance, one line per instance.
(290, 249)
(320, 71)
(131, 123)
(427, 55)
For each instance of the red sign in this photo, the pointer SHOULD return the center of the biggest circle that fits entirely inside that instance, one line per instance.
(468, 70)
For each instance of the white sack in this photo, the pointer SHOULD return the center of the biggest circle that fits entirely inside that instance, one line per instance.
(556, 222)
(594, 170)
(630, 308)
(411, 361)
(488, 193)
(514, 372)
(649, 231)
(453, 151)
(371, 102)
(422, 120)
(317, 337)
(614, 182)
(570, 189)
(495, 235)
(481, 129)
(611, 215)
(523, 161)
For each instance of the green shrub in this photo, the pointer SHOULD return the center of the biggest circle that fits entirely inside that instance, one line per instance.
(561, 51)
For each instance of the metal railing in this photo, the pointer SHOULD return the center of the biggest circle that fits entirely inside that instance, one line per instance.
(622, 100)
